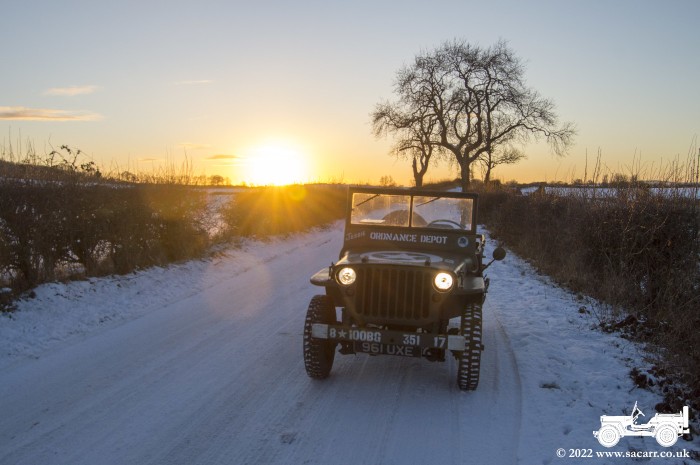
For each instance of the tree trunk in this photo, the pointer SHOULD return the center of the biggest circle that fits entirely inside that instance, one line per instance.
(465, 172)
(418, 178)
(419, 173)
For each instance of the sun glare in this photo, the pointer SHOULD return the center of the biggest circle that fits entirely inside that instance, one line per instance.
(275, 165)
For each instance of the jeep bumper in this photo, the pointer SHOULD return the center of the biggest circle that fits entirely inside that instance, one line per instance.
(389, 342)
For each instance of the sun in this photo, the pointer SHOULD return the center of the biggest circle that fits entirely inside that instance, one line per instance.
(275, 165)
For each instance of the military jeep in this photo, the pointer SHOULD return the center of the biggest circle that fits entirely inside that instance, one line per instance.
(411, 261)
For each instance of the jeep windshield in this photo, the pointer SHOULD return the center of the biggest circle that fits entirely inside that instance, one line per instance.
(408, 211)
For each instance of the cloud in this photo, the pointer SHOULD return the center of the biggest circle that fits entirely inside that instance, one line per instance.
(193, 82)
(222, 156)
(45, 114)
(71, 91)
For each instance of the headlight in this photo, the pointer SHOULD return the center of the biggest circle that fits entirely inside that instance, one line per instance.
(346, 276)
(443, 281)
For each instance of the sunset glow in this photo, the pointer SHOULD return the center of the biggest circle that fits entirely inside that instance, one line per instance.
(275, 165)
(188, 86)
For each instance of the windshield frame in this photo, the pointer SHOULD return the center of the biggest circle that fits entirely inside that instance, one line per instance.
(413, 199)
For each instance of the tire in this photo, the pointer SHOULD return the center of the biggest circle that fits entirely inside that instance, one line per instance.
(608, 436)
(666, 435)
(469, 361)
(318, 353)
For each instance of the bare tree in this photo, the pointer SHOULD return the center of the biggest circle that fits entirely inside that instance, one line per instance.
(477, 99)
(387, 181)
(507, 155)
(217, 180)
(413, 132)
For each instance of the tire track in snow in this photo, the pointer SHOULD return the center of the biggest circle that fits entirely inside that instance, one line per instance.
(490, 417)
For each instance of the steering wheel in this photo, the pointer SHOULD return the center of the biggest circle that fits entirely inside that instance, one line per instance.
(444, 224)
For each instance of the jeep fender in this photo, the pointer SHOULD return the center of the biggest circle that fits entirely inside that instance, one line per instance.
(617, 425)
(473, 285)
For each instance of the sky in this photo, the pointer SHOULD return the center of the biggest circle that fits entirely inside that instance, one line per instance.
(241, 89)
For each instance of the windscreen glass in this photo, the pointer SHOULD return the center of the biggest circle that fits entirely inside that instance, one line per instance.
(443, 212)
(428, 212)
(380, 209)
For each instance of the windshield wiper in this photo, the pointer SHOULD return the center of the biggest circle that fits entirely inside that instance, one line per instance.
(425, 203)
(366, 200)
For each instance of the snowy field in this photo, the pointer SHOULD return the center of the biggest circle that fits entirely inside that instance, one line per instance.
(603, 192)
(201, 363)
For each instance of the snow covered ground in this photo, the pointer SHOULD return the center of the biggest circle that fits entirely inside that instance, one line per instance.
(201, 363)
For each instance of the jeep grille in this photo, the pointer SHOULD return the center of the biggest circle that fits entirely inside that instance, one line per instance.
(393, 293)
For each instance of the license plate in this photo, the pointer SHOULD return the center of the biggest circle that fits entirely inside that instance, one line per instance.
(390, 342)
(376, 348)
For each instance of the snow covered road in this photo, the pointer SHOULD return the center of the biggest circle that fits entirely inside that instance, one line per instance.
(206, 368)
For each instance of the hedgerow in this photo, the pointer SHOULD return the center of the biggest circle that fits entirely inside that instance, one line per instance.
(50, 226)
(634, 249)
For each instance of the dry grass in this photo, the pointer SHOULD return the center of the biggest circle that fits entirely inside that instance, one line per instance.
(261, 212)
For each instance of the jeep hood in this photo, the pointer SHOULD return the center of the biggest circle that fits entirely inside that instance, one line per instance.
(452, 262)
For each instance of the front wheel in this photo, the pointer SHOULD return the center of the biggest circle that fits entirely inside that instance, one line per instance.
(318, 353)
(666, 435)
(469, 361)
(608, 436)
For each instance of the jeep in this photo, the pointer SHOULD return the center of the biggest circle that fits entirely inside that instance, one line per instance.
(411, 261)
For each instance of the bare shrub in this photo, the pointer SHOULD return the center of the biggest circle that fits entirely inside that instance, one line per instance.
(131, 234)
(179, 215)
(32, 230)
